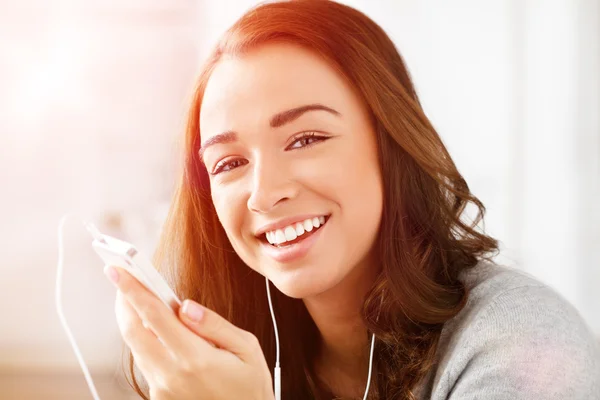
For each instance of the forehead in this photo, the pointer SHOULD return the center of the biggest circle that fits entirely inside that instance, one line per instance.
(246, 91)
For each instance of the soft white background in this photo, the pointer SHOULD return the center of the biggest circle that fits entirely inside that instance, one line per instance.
(93, 95)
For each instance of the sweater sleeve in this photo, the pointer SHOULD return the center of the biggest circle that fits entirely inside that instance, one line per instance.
(527, 343)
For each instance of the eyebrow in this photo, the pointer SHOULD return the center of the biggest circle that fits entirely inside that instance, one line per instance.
(276, 121)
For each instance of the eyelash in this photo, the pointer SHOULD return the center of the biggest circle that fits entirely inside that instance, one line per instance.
(308, 135)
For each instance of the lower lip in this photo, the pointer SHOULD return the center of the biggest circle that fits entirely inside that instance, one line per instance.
(295, 251)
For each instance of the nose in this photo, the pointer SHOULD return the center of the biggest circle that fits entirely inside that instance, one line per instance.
(272, 185)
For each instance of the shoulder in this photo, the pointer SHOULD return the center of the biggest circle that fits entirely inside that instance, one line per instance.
(515, 338)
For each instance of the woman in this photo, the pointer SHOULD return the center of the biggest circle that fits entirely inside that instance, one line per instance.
(309, 162)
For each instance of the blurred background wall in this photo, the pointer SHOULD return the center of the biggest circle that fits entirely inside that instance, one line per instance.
(93, 95)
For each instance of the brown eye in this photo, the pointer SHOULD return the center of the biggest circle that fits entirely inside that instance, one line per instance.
(306, 140)
(225, 166)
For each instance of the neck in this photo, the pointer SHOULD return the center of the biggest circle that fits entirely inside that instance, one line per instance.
(343, 354)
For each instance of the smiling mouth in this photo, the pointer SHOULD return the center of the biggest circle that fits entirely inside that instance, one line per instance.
(298, 239)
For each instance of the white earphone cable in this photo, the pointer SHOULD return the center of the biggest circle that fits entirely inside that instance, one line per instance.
(59, 308)
(370, 367)
(277, 371)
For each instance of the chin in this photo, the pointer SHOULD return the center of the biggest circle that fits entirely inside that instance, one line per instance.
(301, 283)
(298, 292)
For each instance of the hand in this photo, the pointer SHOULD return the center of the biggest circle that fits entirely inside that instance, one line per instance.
(174, 352)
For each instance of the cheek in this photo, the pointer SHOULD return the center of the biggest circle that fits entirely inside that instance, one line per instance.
(358, 188)
(353, 178)
(364, 199)
(231, 208)
(230, 213)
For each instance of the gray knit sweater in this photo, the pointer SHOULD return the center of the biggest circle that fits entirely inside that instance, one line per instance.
(516, 339)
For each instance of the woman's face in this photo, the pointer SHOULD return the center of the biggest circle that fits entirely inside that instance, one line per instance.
(289, 145)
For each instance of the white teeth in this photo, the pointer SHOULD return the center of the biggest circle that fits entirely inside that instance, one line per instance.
(279, 236)
(290, 233)
(308, 226)
(293, 231)
(299, 229)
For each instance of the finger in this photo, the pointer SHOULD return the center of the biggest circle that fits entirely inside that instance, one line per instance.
(148, 350)
(216, 329)
(157, 316)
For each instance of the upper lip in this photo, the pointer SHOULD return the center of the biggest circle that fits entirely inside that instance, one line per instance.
(282, 223)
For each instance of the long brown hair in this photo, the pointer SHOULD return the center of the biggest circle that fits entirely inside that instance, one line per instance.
(423, 241)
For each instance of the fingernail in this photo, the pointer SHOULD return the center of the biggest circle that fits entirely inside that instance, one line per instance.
(111, 273)
(193, 310)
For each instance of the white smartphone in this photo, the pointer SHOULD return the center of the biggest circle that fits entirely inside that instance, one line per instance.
(119, 253)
